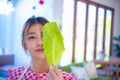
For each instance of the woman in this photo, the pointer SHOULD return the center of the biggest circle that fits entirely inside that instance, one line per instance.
(39, 69)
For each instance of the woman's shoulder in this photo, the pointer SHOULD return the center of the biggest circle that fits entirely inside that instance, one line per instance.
(16, 69)
(67, 76)
(15, 72)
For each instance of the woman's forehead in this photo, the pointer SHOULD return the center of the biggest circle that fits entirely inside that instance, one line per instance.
(35, 28)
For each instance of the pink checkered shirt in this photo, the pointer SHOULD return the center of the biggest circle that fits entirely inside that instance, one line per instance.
(30, 75)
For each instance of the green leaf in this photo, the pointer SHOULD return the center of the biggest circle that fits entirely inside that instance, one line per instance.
(52, 42)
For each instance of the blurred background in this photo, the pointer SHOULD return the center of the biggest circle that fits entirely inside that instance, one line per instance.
(13, 14)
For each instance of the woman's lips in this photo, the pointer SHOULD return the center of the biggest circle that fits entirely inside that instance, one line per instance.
(39, 50)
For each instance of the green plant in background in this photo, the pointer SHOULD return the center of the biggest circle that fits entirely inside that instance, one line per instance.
(116, 46)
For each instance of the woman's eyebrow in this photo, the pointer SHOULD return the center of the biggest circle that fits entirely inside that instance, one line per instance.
(31, 33)
(34, 33)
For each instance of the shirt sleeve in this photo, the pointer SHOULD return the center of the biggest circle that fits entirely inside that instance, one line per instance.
(9, 77)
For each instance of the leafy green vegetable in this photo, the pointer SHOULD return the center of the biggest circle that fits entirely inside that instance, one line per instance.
(52, 42)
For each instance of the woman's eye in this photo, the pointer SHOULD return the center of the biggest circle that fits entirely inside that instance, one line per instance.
(31, 37)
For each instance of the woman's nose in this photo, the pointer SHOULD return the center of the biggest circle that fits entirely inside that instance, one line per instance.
(39, 42)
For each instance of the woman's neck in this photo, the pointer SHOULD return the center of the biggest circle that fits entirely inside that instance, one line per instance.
(39, 66)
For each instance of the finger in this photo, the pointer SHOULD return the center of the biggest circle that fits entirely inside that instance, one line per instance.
(51, 67)
(56, 70)
(59, 75)
(56, 67)
(52, 72)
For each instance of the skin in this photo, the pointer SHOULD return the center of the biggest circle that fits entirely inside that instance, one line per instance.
(39, 62)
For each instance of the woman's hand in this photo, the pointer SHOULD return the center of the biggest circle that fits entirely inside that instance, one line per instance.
(54, 73)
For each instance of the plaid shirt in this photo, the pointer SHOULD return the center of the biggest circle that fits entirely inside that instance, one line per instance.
(30, 75)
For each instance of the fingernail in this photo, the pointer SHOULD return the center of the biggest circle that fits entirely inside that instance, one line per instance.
(51, 67)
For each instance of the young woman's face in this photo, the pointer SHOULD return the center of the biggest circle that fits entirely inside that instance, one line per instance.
(34, 42)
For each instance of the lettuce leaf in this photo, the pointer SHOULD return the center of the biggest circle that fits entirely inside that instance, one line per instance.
(52, 42)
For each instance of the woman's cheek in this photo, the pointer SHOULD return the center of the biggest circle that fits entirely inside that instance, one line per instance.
(29, 45)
